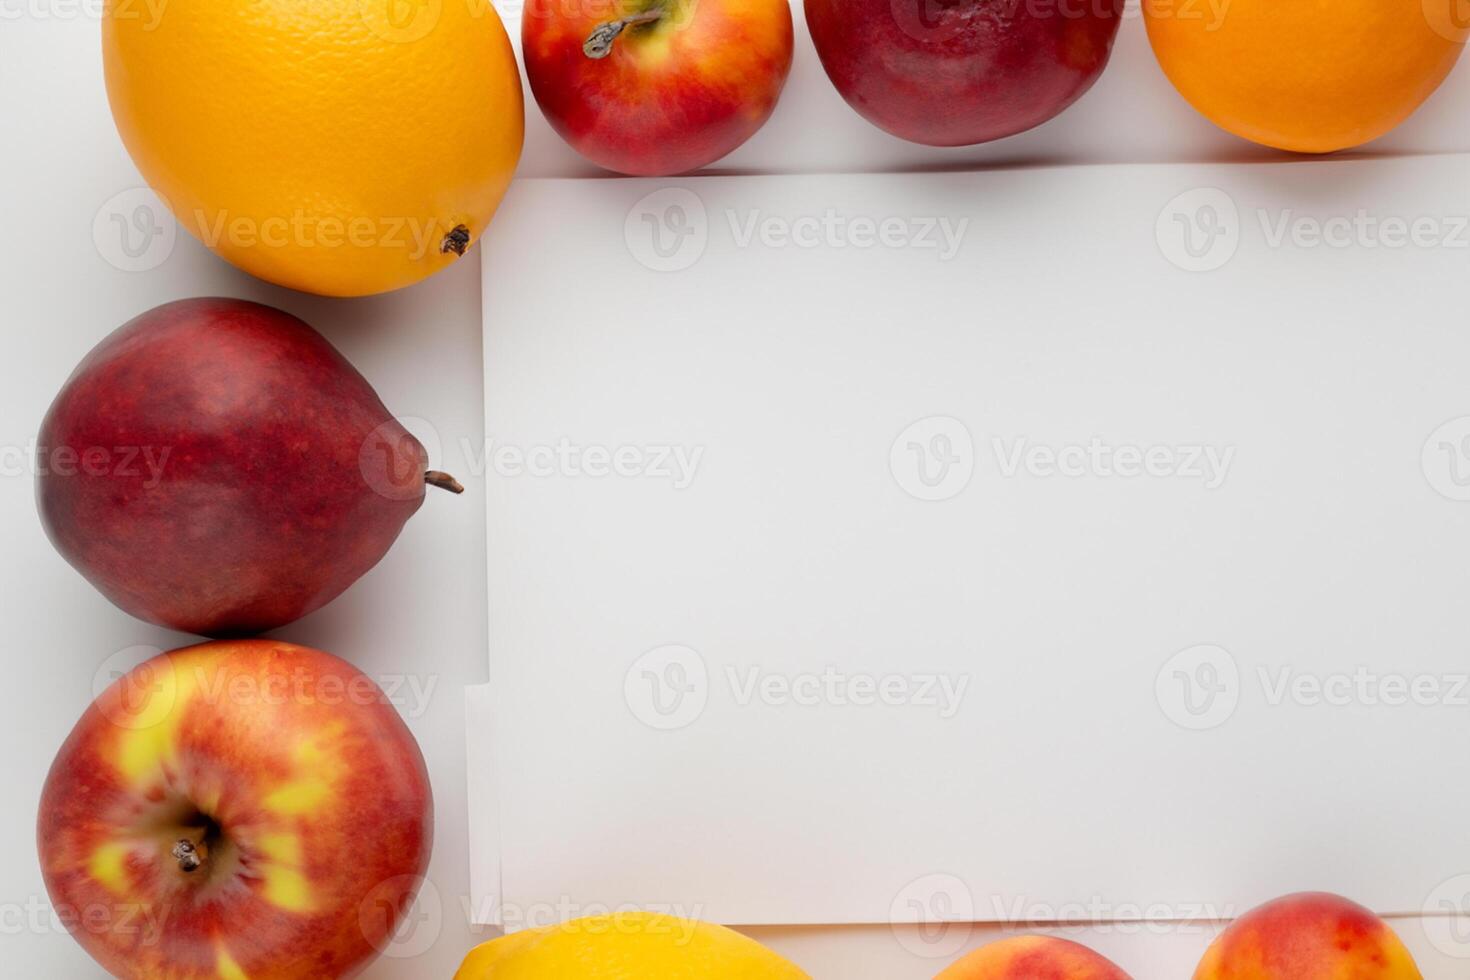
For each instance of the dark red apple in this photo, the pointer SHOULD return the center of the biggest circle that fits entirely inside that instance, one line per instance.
(215, 466)
(655, 88)
(956, 72)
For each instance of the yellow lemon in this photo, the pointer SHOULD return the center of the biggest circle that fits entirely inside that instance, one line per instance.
(627, 946)
(342, 147)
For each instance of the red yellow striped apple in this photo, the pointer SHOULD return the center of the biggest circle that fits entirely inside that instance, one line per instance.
(655, 87)
(245, 809)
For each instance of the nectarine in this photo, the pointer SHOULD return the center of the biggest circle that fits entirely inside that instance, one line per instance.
(1307, 936)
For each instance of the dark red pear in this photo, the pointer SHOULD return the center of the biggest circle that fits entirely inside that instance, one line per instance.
(215, 466)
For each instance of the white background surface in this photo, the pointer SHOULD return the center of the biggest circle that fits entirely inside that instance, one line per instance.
(423, 609)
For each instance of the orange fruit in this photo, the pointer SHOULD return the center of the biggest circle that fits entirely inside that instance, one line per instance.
(342, 147)
(1306, 75)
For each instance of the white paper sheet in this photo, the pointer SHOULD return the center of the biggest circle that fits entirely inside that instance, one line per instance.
(842, 571)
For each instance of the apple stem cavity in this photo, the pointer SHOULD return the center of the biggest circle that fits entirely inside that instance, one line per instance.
(599, 43)
(443, 481)
(188, 854)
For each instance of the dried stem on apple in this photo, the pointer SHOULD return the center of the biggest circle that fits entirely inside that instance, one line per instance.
(456, 241)
(599, 43)
(443, 481)
(189, 855)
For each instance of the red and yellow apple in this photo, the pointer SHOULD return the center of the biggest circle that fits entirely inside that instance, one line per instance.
(956, 72)
(1307, 936)
(236, 809)
(653, 88)
(1032, 958)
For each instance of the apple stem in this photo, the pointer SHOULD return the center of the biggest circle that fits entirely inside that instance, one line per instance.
(443, 481)
(188, 854)
(599, 43)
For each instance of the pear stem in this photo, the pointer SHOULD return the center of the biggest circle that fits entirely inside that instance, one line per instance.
(599, 43)
(443, 481)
